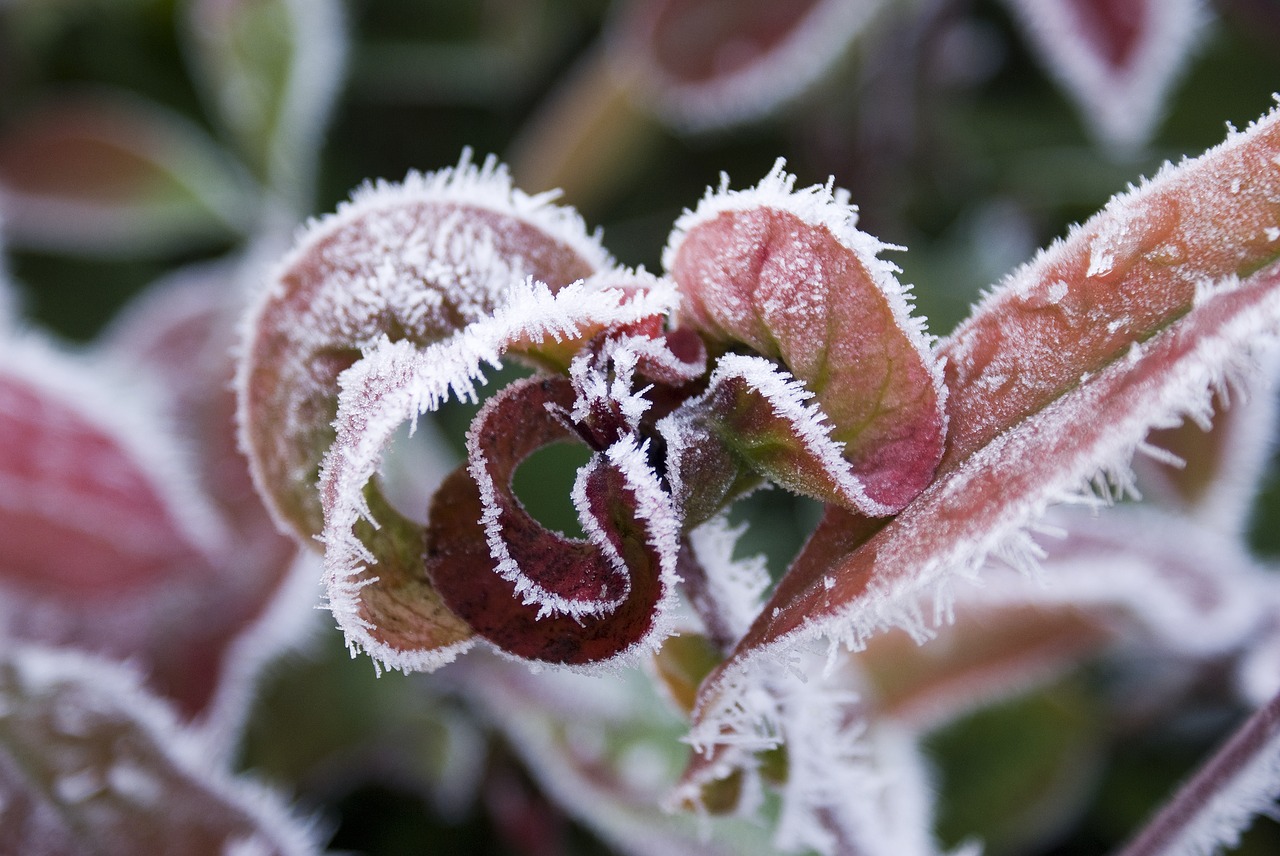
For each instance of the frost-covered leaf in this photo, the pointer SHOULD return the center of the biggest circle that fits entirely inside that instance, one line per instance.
(109, 174)
(271, 70)
(788, 274)
(415, 261)
(536, 593)
(95, 495)
(373, 555)
(712, 63)
(90, 762)
(1128, 272)
(1117, 59)
(753, 419)
(980, 505)
(1134, 573)
(128, 524)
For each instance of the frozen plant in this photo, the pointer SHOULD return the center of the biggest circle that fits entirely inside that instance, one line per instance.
(777, 346)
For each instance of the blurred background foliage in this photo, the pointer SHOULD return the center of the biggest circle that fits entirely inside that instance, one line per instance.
(949, 136)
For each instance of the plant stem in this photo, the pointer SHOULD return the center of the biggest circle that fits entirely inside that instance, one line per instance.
(1221, 798)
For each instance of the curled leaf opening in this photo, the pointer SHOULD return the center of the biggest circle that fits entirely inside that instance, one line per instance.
(536, 593)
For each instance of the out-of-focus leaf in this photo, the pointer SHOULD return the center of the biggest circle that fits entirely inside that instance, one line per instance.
(272, 70)
(90, 762)
(95, 498)
(602, 748)
(1116, 58)
(1215, 470)
(179, 336)
(1015, 773)
(107, 174)
(113, 538)
(1213, 808)
(709, 63)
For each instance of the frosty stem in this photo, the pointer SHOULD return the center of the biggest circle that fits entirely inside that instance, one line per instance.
(1218, 801)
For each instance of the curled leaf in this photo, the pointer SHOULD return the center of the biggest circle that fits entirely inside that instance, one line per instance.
(788, 274)
(536, 593)
(415, 261)
(753, 412)
(373, 555)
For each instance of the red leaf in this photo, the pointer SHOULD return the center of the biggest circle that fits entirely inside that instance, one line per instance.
(788, 274)
(978, 505)
(131, 528)
(536, 593)
(1127, 273)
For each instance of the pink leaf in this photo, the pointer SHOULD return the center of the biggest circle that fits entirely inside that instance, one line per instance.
(788, 274)
(708, 63)
(129, 525)
(95, 496)
(90, 762)
(535, 593)
(1116, 58)
(111, 174)
(373, 565)
(416, 261)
